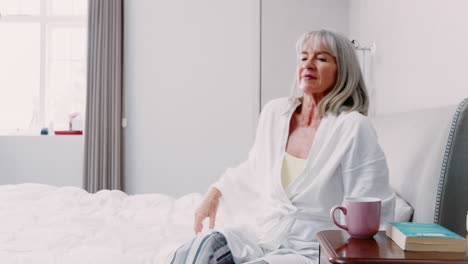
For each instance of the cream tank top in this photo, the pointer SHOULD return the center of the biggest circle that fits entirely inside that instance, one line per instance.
(291, 168)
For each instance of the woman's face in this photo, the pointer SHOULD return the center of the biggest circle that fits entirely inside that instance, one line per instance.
(317, 70)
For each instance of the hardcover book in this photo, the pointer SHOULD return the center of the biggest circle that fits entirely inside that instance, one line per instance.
(425, 237)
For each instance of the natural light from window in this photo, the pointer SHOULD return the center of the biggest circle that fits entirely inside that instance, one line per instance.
(43, 64)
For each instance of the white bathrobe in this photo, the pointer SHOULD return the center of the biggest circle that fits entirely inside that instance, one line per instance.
(280, 225)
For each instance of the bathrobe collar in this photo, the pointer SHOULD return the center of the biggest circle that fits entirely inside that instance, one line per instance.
(317, 144)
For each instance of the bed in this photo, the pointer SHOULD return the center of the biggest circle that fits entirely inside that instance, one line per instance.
(47, 224)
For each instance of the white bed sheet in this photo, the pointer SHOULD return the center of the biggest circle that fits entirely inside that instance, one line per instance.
(47, 224)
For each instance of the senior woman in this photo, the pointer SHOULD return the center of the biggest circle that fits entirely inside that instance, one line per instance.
(311, 151)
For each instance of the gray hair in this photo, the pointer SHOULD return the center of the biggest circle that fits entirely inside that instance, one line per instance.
(349, 93)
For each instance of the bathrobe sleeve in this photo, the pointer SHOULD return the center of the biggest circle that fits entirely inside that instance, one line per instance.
(364, 167)
(240, 177)
(241, 186)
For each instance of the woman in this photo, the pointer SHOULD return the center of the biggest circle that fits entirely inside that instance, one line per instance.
(311, 150)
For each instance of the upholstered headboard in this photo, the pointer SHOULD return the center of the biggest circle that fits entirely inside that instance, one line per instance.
(452, 191)
(427, 154)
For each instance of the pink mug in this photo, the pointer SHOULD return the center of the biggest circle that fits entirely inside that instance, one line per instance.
(362, 216)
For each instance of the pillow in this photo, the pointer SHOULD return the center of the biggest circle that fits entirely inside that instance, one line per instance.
(403, 211)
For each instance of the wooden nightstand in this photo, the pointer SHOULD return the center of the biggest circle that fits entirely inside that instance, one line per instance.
(336, 246)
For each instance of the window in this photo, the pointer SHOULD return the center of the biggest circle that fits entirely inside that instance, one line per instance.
(43, 64)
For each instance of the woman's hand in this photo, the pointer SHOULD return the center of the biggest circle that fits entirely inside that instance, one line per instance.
(207, 208)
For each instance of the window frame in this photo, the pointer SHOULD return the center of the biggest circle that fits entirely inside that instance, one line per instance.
(46, 21)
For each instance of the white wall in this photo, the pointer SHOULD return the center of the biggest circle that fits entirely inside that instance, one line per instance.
(54, 160)
(282, 24)
(421, 57)
(191, 84)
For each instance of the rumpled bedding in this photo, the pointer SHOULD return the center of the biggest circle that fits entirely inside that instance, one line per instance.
(47, 224)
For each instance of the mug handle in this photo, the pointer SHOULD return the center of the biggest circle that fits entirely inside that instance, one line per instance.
(332, 215)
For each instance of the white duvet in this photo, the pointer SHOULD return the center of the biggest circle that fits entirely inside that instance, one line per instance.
(46, 224)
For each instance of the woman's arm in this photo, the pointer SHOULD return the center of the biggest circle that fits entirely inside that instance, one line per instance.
(365, 170)
(238, 187)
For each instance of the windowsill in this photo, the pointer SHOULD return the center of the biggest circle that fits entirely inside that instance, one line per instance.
(28, 133)
(34, 135)
(20, 133)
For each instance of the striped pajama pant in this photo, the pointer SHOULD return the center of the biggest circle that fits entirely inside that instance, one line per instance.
(206, 248)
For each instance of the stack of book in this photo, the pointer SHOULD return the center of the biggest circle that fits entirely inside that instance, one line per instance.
(425, 237)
